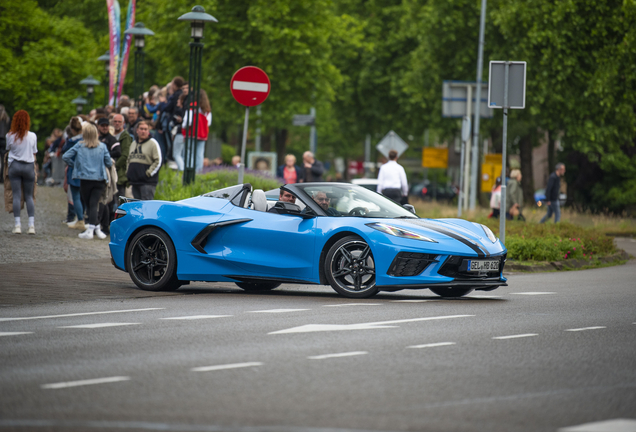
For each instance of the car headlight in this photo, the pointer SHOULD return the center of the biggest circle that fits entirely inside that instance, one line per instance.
(399, 232)
(491, 236)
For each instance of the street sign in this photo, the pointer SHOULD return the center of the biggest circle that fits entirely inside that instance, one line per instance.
(304, 120)
(455, 96)
(391, 141)
(250, 86)
(434, 157)
(516, 84)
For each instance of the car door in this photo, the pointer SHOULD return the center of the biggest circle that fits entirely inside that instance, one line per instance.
(271, 245)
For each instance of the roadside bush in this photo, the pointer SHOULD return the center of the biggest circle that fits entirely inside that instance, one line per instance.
(171, 188)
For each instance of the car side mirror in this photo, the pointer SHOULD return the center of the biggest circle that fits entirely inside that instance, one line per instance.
(410, 208)
(284, 207)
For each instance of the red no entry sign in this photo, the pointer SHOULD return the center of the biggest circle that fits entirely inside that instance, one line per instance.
(250, 86)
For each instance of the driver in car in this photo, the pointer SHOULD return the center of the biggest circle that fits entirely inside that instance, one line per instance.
(283, 196)
(323, 201)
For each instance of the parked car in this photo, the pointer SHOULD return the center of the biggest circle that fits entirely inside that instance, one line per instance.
(427, 190)
(539, 198)
(355, 240)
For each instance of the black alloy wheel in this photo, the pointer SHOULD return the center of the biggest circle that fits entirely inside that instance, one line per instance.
(257, 286)
(451, 292)
(151, 261)
(350, 268)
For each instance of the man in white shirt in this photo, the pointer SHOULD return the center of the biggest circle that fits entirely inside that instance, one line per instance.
(392, 181)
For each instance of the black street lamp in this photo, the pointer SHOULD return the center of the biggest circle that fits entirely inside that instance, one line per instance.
(90, 84)
(139, 31)
(79, 104)
(106, 59)
(197, 19)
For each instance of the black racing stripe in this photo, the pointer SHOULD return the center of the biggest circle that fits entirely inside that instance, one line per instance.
(451, 234)
(199, 240)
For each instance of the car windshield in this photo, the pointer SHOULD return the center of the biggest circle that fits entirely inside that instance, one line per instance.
(339, 199)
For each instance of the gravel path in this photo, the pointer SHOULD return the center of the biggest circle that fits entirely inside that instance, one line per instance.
(53, 240)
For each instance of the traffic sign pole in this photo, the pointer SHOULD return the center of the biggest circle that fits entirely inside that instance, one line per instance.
(241, 172)
(502, 208)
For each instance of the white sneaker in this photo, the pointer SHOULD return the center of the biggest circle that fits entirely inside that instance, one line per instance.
(88, 234)
(17, 230)
(99, 233)
(31, 230)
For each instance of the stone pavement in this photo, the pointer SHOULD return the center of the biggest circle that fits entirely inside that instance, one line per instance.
(56, 266)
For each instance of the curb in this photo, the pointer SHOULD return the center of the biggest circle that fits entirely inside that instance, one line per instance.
(572, 264)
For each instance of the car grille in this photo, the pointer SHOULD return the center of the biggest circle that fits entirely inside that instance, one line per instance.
(410, 263)
(453, 268)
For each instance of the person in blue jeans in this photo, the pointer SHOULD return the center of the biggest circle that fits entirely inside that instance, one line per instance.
(74, 135)
(552, 194)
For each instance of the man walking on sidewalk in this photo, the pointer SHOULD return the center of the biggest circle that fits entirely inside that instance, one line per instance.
(552, 194)
(124, 139)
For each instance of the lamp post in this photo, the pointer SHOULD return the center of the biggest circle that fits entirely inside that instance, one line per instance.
(106, 59)
(79, 104)
(197, 19)
(90, 84)
(139, 31)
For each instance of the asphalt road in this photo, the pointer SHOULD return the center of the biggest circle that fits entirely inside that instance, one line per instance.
(550, 351)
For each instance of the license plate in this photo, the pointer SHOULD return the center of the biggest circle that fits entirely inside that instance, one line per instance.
(483, 266)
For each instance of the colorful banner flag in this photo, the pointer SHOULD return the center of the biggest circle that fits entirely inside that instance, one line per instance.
(113, 30)
(123, 67)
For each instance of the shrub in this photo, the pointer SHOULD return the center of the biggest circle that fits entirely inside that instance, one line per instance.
(171, 188)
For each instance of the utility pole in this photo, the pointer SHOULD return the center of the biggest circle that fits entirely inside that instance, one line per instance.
(480, 66)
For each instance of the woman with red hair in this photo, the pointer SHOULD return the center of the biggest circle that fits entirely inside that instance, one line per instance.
(22, 146)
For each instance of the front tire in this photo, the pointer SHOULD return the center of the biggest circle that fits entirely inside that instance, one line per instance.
(151, 261)
(257, 286)
(451, 292)
(350, 268)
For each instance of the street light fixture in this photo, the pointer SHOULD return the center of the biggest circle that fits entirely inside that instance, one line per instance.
(139, 31)
(197, 19)
(90, 84)
(79, 104)
(106, 59)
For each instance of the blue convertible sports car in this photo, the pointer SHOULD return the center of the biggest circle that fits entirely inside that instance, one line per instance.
(340, 234)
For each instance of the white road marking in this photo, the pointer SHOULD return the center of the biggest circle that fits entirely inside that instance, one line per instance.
(85, 382)
(354, 304)
(78, 314)
(362, 326)
(345, 354)
(517, 336)
(14, 333)
(412, 301)
(586, 328)
(99, 325)
(278, 310)
(225, 366)
(195, 317)
(432, 345)
(250, 86)
(533, 293)
(616, 425)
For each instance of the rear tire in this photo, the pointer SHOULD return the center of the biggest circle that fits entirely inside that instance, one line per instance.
(257, 286)
(451, 292)
(151, 261)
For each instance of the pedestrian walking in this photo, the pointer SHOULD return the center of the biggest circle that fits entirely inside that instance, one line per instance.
(392, 181)
(74, 136)
(106, 210)
(90, 158)
(5, 126)
(514, 195)
(313, 168)
(552, 192)
(144, 162)
(125, 140)
(495, 199)
(178, 144)
(289, 171)
(22, 146)
(204, 121)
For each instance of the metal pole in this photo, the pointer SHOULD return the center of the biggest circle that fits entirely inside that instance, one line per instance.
(191, 136)
(466, 186)
(243, 144)
(312, 136)
(480, 66)
(502, 211)
(461, 179)
(142, 60)
(367, 155)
